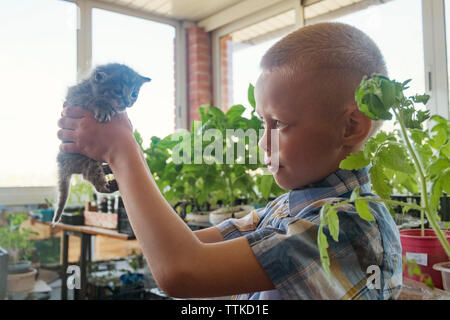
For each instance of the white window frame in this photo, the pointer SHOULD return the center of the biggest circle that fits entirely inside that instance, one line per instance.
(435, 56)
(11, 196)
(251, 18)
(435, 53)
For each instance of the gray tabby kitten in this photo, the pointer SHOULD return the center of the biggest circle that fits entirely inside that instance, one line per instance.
(107, 91)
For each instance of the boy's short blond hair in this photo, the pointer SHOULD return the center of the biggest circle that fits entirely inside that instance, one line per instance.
(328, 45)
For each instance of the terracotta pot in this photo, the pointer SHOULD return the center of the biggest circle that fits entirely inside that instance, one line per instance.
(22, 282)
(426, 251)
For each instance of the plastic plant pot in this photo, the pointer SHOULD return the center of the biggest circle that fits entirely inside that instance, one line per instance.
(444, 268)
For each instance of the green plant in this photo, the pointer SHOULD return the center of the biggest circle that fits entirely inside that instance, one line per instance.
(16, 240)
(80, 191)
(223, 176)
(410, 158)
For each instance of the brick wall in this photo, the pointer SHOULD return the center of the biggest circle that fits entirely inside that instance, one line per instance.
(226, 58)
(199, 71)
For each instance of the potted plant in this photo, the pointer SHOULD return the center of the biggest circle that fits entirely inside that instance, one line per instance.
(133, 281)
(186, 186)
(16, 241)
(108, 282)
(412, 157)
(195, 188)
(243, 177)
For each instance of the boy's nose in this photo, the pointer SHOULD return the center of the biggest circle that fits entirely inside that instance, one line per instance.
(264, 143)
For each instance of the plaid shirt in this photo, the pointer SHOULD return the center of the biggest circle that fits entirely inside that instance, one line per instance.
(283, 237)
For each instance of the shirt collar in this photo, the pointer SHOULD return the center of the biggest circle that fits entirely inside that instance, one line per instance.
(337, 184)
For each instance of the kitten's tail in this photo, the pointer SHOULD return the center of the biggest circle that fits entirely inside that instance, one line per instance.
(63, 195)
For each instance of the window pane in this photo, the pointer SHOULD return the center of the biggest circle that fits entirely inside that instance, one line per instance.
(38, 63)
(396, 27)
(246, 60)
(241, 53)
(148, 47)
(447, 35)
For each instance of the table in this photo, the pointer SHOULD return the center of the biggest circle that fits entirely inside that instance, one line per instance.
(85, 233)
(415, 290)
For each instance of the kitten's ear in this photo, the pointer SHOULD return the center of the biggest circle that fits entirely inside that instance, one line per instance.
(99, 76)
(145, 79)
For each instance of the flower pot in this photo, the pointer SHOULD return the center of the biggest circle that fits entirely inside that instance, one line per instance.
(22, 282)
(75, 219)
(426, 251)
(20, 267)
(197, 216)
(219, 215)
(444, 268)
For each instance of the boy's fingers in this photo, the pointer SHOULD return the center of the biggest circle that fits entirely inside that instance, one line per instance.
(75, 112)
(67, 123)
(66, 135)
(69, 148)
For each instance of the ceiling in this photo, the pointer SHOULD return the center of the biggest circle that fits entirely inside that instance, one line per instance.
(213, 14)
(193, 10)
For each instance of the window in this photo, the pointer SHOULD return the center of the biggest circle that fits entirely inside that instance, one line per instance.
(38, 63)
(148, 47)
(396, 27)
(447, 35)
(246, 69)
(241, 53)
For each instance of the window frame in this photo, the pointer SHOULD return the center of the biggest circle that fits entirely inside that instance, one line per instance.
(35, 195)
(435, 56)
(435, 53)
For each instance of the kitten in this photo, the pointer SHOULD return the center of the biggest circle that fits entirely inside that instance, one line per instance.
(107, 91)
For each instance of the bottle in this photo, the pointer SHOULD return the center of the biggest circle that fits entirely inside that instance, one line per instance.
(102, 204)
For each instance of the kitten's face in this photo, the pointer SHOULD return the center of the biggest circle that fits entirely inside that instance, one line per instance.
(119, 84)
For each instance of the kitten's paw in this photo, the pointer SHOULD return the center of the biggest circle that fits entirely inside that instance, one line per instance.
(103, 115)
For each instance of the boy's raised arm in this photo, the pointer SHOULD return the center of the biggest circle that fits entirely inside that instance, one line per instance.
(182, 264)
(180, 261)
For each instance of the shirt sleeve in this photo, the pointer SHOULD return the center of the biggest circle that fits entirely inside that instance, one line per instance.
(292, 261)
(234, 228)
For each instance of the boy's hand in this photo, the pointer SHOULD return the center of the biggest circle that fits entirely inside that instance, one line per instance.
(81, 133)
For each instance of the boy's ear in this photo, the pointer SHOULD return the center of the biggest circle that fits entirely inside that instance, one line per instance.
(357, 127)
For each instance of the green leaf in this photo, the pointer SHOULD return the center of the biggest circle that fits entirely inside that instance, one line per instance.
(440, 137)
(438, 166)
(355, 193)
(394, 156)
(445, 149)
(439, 119)
(234, 113)
(322, 243)
(363, 210)
(333, 223)
(265, 185)
(388, 91)
(354, 161)
(251, 95)
(436, 193)
(380, 184)
(376, 107)
(421, 98)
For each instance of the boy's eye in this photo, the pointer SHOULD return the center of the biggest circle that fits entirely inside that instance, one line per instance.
(279, 124)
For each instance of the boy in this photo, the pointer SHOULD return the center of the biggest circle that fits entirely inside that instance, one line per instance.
(306, 93)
